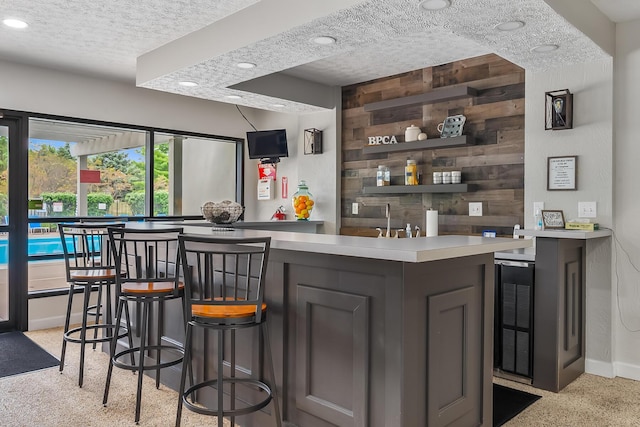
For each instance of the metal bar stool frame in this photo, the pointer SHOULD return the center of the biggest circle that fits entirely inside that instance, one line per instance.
(147, 262)
(88, 263)
(224, 291)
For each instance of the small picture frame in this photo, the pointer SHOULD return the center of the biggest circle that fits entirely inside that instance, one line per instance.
(553, 219)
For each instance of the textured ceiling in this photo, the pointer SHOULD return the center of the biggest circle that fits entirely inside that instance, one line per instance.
(376, 38)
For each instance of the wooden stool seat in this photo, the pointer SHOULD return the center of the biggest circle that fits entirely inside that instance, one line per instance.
(225, 311)
(150, 288)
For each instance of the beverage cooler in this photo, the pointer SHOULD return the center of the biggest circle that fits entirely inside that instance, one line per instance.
(513, 321)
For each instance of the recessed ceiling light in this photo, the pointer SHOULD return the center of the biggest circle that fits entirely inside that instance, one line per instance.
(15, 23)
(188, 84)
(233, 96)
(278, 105)
(324, 40)
(544, 48)
(509, 26)
(246, 65)
(435, 4)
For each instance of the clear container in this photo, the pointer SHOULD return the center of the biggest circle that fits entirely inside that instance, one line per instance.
(411, 173)
(383, 176)
(302, 202)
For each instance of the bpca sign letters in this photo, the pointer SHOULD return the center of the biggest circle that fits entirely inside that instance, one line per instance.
(379, 140)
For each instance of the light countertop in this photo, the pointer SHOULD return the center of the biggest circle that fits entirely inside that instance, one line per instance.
(419, 249)
(566, 234)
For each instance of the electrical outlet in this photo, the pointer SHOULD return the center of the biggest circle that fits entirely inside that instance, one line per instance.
(587, 209)
(354, 208)
(536, 206)
(475, 209)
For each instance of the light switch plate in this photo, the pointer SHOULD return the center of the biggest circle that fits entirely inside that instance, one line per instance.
(354, 208)
(587, 209)
(475, 209)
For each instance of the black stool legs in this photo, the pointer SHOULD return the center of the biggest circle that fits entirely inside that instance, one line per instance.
(220, 412)
(69, 335)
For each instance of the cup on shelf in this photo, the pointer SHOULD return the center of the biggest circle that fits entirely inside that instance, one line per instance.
(456, 177)
(437, 177)
(446, 177)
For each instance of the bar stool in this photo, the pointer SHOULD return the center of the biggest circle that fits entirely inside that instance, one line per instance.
(224, 280)
(88, 263)
(147, 270)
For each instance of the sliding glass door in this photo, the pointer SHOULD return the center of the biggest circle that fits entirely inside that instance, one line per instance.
(13, 228)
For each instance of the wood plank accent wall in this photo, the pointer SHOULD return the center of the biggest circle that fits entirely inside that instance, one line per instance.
(494, 166)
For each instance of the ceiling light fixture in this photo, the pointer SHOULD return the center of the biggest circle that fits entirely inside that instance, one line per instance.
(435, 4)
(233, 96)
(15, 23)
(324, 40)
(246, 65)
(188, 84)
(278, 105)
(544, 48)
(509, 26)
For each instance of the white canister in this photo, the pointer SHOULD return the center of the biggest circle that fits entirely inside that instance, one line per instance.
(456, 177)
(411, 133)
(437, 177)
(446, 177)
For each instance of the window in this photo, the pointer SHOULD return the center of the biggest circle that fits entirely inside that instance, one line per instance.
(97, 170)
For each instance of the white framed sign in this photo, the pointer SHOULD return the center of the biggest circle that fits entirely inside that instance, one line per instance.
(561, 173)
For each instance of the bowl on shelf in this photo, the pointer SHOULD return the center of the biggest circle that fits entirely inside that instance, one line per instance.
(224, 212)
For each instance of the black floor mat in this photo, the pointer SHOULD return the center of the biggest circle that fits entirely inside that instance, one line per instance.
(508, 402)
(18, 354)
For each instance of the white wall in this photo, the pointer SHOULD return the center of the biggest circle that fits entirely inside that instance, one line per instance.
(40, 90)
(626, 279)
(320, 171)
(591, 139)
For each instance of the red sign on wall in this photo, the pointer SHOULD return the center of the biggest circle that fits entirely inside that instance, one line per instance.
(267, 171)
(89, 176)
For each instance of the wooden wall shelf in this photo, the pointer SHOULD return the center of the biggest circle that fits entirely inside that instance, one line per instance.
(436, 95)
(427, 144)
(411, 189)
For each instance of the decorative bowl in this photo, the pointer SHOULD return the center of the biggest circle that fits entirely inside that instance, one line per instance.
(225, 212)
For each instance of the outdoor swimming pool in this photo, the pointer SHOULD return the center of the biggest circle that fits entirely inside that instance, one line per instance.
(37, 246)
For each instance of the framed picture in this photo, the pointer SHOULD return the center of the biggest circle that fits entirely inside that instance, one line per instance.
(553, 219)
(561, 173)
(558, 110)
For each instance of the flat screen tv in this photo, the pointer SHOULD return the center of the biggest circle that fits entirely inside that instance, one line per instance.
(268, 144)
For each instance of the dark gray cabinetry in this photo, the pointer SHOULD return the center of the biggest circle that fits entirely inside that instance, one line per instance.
(514, 318)
(381, 343)
(559, 344)
(368, 342)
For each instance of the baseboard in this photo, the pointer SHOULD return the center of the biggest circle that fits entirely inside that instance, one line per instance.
(53, 321)
(627, 370)
(600, 368)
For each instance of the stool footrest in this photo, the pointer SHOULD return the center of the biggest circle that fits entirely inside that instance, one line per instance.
(92, 310)
(228, 412)
(135, 366)
(108, 337)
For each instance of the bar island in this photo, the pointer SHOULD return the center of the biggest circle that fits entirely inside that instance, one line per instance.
(372, 332)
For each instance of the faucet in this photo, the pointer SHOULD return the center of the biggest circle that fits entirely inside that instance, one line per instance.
(387, 214)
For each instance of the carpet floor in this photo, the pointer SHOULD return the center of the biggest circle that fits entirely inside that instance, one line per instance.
(47, 398)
